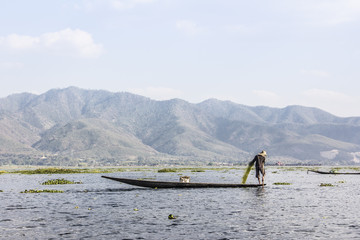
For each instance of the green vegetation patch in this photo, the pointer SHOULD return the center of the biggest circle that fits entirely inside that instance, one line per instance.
(164, 170)
(59, 181)
(67, 171)
(196, 169)
(295, 168)
(355, 168)
(326, 185)
(282, 183)
(50, 171)
(1, 190)
(42, 191)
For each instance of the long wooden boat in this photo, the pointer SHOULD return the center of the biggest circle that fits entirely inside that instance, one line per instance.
(335, 173)
(159, 184)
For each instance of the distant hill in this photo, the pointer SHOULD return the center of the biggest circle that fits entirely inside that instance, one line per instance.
(74, 126)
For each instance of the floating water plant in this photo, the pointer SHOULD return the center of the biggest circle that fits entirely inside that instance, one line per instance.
(247, 171)
(67, 170)
(167, 170)
(355, 168)
(326, 185)
(171, 216)
(42, 191)
(1, 190)
(50, 171)
(59, 181)
(282, 183)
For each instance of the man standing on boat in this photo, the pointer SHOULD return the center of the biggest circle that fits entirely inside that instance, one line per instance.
(259, 160)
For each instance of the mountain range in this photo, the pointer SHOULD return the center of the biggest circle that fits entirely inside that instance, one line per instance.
(74, 126)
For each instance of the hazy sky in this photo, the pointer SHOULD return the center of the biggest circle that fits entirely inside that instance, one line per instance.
(273, 53)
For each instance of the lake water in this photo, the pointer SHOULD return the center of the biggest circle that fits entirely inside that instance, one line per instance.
(104, 209)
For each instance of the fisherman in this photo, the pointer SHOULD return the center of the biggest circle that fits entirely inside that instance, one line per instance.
(259, 160)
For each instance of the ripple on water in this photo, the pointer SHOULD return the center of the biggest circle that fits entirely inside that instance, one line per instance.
(102, 209)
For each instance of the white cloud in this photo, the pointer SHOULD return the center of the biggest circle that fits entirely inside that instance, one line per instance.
(79, 41)
(265, 94)
(15, 41)
(11, 65)
(93, 5)
(329, 12)
(241, 29)
(316, 73)
(65, 42)
(157, 93)
(268, 98)
(188, 27)
(326, 95)
(331, 101)
(125, 4)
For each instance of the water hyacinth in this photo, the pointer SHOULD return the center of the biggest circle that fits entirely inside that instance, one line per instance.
(42, 191)
(54, 170)
(326, 185)
(50, 171)
(167, 170)
(247, 171)
(282, 183)
(59, 181)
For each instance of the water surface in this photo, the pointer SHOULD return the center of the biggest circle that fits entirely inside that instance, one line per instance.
(104, 209)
